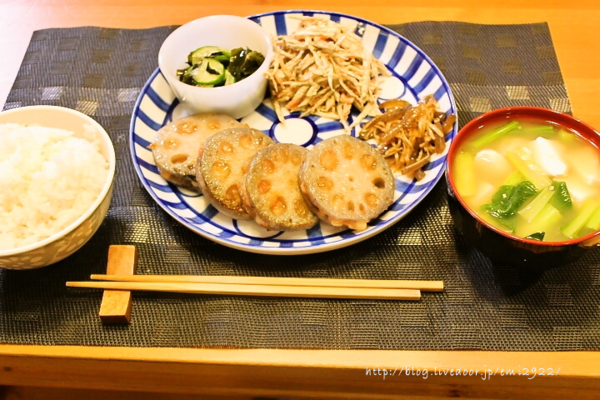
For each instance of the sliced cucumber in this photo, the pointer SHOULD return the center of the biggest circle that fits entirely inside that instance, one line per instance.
(214, 52)
(215, 66)
(208, 72)
(229, 79)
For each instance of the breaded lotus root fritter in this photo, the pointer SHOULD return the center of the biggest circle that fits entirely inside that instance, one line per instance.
(346, 182)
(222, 162)
(270, 191)
(175, 148)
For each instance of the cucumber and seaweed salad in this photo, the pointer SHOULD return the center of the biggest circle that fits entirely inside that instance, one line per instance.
(211, 66)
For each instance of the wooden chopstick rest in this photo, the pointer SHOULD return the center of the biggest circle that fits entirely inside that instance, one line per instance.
(425, 286)
(258, 290)
(116, 304)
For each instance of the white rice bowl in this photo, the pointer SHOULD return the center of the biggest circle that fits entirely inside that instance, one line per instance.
(49, 178)
(36, 201)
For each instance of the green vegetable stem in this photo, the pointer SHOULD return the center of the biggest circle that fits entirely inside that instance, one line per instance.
(531, 210)
(561, 198)
(594, 221)
(515, 178)
(521, 160)
(548, 217)
(490, 137)
(465, 174)
(571, 230)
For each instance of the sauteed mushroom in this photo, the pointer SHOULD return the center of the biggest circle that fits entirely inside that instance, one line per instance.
(408, 136)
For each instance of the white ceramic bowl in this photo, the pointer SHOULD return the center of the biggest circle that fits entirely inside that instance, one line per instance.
(228, 32)
(74, 236)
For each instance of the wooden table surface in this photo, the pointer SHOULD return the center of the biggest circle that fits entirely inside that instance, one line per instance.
(300, 373)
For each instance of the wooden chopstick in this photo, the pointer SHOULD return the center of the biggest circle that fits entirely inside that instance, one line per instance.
(258, 290)
(425, 286)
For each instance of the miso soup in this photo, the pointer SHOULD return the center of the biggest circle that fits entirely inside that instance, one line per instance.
(532, 179)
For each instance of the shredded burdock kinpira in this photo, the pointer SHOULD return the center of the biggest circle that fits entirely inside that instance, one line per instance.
(323, 69)
(407, 136)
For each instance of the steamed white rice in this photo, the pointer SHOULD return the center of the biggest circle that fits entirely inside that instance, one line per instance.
(48, 179)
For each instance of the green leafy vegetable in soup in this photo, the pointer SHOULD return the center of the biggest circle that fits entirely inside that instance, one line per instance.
(536, 236)
(532, 179)
(509, 199)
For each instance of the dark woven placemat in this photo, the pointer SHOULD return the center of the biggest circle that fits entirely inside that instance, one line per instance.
(492, 307)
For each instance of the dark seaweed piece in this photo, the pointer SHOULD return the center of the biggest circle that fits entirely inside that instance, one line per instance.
(244, 62)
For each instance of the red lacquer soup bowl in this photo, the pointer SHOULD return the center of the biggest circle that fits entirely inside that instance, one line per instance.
(499, 246)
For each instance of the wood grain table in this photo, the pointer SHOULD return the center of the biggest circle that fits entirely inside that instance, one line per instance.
(310, 373)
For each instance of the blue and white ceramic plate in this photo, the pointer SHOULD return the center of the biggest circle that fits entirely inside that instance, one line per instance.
(414, 76)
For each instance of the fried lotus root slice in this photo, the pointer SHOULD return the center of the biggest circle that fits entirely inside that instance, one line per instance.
(346, 182)
(270, 189)
(176, 145)
(224, 160)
